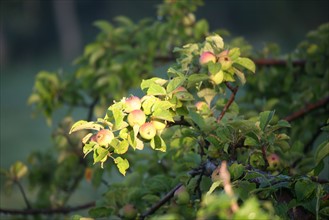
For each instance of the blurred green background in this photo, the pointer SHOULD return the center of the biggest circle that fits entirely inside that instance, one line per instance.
(47, 35)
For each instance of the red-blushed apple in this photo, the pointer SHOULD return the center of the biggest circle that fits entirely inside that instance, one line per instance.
(132, 103)
(104, 137)
(128, 211)
(207, 57)
(182, 196)
(218, 77)
(202, 107)
(147, 131)
(273, 161)
(159, 124)
(136, 117)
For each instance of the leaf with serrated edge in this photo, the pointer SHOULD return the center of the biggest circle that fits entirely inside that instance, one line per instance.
(122, 165)
(82, 125)
(246, 63)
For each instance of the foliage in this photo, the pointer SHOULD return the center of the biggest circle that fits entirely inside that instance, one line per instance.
(188, 148)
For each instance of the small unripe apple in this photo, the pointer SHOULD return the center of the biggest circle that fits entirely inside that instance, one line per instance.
(189, 19)
(132, 103)
(128, 211)
(218, 77)
(147, 131)
(182, 196)
(202, 107)
(136, 117)
(273, 161)
(104, 137)
(207, 57)
(225, 61)
(159, 124)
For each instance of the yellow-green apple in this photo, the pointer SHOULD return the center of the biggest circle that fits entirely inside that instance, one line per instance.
(218, 77)
(202, 107)
(189, 19)
(132, 103)
(182, 196)
(159, 124)
(207, 57)
(147, 131)
(104, 137)
(225, 61)
(128, 211)
(136, 117)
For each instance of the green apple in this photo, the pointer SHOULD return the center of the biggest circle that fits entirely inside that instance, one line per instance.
(104, 137)
(202, 107)
(132, 103)
(159, 124)
(136, 117)
(218, 77)
(182, 196)
(147, 131)
(225, 61)
(207, 57)
(128, 211)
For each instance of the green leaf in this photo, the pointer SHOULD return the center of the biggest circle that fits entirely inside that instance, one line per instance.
(196, 78)
(18, 170)
(156, 89)
(81, 125)
(216, 40)
(175, 83)
(240, 75)
(105, 26)
(234, 53)
(246, 63)
(122, 165)
(87, 148)
(145, 84)
(120, 147)
(184, 96)
(304, 189)
(157, 143)
(214, 67)
(236, 170)
(163, 114)
(100, 212)
(251, 141)
(322, 151)
(198, 120)
(99, 153)
(214, 186)
(265, 118)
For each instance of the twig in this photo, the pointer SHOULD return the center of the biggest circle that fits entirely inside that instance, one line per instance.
(264, 155)
(308, 108)
(28, 205)
(63, 210)
(234, 90)
(225, 177)
(91, 109)
(156, 206)
(275, 62)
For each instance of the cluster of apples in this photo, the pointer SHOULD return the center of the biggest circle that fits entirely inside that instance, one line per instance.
(222, 58)
(136, 116)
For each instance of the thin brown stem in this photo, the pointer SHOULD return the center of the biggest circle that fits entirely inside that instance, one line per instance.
(156, 206)
(308, 108)
(63, 210)
(21, 189)
(234, 90)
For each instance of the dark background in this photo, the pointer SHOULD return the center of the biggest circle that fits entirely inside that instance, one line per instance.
(48, 34)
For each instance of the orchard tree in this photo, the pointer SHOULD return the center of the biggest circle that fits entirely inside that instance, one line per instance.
(189, 147)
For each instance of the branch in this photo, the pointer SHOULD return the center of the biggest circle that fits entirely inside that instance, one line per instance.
(156, 206)
(234, 90)
(275, 62)
(28, 205)
(308, 108)
(63, 210)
